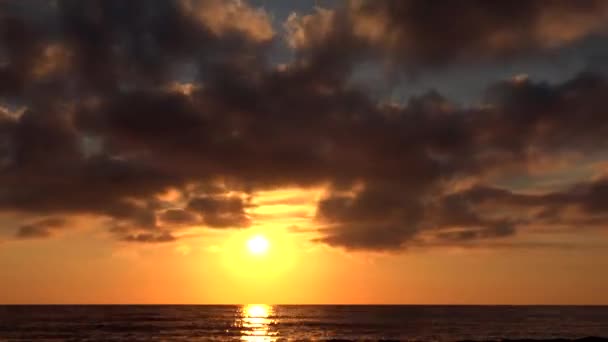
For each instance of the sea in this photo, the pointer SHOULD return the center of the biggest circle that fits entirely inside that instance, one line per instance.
(259, 322)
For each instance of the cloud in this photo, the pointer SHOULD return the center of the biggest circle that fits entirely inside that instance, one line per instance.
(220, 212)
(40, 229)
(407, 195)
(422, 33)
(179, 216)
(150, 238)
(106, 132)
(308, 30)
(225, 17)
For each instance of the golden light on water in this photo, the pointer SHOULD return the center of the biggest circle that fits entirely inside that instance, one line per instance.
(256, 323)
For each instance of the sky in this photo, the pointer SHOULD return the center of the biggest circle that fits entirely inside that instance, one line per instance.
(303, 152)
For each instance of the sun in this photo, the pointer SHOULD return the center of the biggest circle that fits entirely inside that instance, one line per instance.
(258, 245)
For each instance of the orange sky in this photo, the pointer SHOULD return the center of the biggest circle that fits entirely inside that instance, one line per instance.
(411, 152)
(86, 265)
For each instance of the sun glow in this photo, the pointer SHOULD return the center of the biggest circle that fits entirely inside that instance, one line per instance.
(257, 310)
(258, 245)
(266, 253)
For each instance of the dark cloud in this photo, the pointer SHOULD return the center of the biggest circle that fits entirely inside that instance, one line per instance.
(416, 33)
(434, 144)
(149, 238)
(179, 216)
(67, 56)
(220, 212)
(40, 229)
(379, 217)
(113, 122)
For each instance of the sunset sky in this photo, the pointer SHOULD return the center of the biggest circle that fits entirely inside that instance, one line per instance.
(270, 151)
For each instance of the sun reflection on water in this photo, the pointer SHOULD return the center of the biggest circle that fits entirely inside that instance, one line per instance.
(256, 322)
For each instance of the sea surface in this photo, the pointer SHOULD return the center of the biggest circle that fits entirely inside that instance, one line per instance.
(299, 322)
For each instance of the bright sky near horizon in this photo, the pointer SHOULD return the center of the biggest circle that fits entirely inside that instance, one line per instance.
(330, 152)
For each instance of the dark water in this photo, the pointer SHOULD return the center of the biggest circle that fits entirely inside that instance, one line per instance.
(272, 323)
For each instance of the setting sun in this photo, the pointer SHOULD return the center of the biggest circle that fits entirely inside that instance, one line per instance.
(258, 245)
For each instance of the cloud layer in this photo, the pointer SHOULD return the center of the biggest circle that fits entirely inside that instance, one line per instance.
(109, 105)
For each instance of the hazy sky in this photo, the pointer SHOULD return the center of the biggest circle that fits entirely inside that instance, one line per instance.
(386, 151)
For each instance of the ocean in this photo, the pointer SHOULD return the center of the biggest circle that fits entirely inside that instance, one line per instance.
(298, 322)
